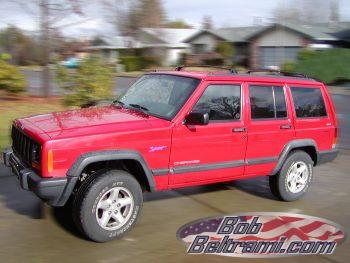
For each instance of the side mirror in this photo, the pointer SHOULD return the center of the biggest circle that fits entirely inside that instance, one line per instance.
(197, 118)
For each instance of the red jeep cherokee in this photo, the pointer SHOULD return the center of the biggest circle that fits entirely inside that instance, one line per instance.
(172, 130)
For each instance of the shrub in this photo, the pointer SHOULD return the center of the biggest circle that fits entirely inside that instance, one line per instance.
(288, 66)
(328, 65)
(92, 80)
(11, 79)
(136, 63)
(214, 62)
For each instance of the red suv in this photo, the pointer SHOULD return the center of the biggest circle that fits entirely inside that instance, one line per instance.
(172, 130)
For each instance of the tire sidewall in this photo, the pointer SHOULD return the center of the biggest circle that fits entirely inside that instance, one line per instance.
(88, 210)
(285, 193)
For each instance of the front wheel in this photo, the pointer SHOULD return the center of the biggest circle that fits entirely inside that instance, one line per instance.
(294, 178)
(108, 206)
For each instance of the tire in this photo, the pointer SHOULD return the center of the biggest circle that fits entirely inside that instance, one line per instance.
(283, 186)
(107, 205)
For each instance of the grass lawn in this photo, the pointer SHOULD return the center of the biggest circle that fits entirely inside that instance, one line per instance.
(22, 106)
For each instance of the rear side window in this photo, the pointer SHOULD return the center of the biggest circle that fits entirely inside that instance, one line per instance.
(308, 102)
(222, 102)
(267, 102)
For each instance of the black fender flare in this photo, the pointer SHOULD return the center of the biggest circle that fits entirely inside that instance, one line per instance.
(110, 155)
(291, 146)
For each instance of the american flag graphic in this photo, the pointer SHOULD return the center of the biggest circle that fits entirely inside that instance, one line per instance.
(293, 228)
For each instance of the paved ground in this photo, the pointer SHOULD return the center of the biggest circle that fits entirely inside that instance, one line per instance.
(31, 230)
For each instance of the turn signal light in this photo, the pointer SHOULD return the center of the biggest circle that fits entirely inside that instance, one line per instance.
(50, 161)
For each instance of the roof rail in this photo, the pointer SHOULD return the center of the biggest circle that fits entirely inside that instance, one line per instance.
(231, 70)
(279, 72)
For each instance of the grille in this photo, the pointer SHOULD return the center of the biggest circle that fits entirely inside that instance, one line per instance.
(25, 147)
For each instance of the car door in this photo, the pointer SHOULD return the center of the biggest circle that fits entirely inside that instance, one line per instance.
(269, 124)
(213, 152)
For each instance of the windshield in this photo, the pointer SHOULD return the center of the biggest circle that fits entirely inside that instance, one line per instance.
(159, 95)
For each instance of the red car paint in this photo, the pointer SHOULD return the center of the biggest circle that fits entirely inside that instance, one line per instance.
(171, 144)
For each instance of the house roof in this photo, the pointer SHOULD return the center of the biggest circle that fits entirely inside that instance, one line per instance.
(237, 34)
(320, 32)
(170, 37)
(117, 42)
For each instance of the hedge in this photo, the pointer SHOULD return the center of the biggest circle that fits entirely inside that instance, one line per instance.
(136, 63)
(328, 66)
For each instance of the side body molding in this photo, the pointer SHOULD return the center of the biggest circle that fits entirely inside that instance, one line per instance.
(291, 146)
(98, 156)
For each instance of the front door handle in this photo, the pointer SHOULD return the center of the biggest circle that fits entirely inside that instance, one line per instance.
(242, 129)
(286, 126)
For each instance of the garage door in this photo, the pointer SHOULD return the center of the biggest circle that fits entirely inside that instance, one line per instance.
(276, 56)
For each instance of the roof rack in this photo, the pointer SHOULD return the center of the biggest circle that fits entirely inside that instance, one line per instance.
(279, 72)
(231, 70)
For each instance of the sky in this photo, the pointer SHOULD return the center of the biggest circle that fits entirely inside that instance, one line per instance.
(225, 13)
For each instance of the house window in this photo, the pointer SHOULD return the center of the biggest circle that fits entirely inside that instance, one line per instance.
(199, 48)
(277, 56)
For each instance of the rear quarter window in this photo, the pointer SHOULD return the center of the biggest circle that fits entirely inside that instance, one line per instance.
(308, 102)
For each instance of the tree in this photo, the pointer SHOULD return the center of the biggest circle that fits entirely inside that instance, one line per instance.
(14, 42)
(50, 14)
(303, 11)
(127, 17)
(207, 22)
(334, 15)
(177, 24)
(123, 15)
(91, 81)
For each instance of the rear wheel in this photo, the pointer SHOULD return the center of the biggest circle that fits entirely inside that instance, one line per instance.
(107, 207)
(294, 178)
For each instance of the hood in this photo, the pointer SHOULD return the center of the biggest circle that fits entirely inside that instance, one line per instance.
(89, 121)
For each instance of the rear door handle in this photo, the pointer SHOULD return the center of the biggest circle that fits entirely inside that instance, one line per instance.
(286, 126)
(242, 129)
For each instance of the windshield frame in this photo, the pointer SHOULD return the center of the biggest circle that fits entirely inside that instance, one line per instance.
(126, 106)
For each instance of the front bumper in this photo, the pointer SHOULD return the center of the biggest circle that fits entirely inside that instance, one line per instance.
(54, 191)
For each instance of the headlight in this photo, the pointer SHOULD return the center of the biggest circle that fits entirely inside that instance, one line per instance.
(36, 156)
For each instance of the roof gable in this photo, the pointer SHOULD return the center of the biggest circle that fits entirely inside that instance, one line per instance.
(173, 37)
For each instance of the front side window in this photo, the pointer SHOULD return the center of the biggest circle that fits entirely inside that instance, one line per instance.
(160, 95)
(267, 102)
(222, 102)
(308, 102)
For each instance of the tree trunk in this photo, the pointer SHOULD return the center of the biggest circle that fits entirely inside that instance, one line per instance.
(45, 43)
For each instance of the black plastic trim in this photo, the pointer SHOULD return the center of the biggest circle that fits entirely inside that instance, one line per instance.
(54, 191)
(262, 160)
(164, 171)
(213, 166)
(289, 147)
(98, 156)
(206, 167)
(327, 156)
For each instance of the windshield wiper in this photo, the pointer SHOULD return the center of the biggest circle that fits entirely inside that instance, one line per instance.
(140, 107)
(119, 102)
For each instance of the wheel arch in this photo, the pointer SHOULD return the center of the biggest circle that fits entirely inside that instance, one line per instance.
(125, 158)
(307, 145)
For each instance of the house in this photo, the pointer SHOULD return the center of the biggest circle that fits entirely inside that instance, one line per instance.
(109, 49)
(272, 45)
(166, 44)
